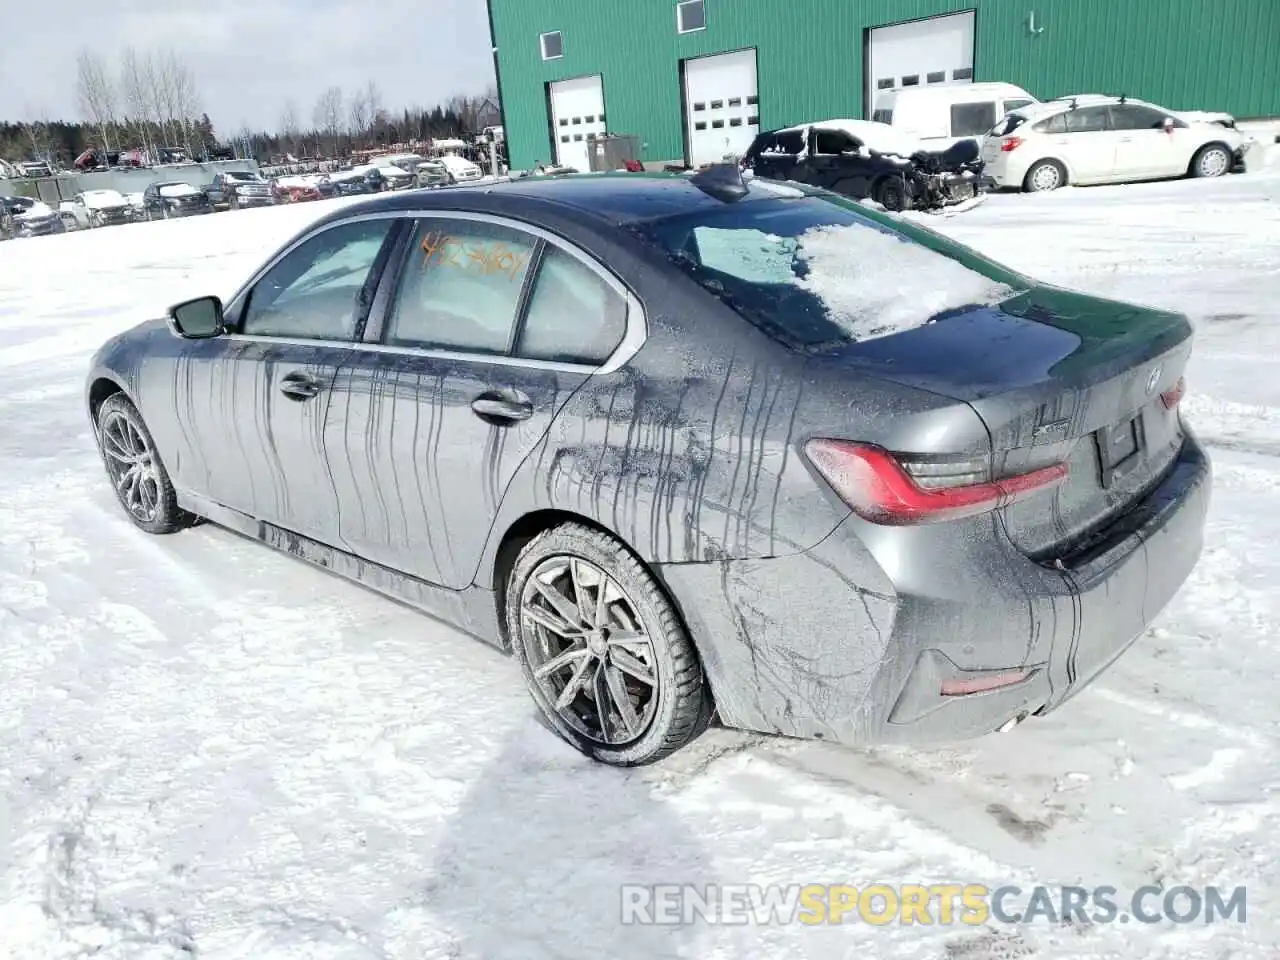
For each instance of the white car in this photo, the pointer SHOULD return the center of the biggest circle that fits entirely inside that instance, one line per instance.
(96, 208)
(461, 170)
(1092, 139)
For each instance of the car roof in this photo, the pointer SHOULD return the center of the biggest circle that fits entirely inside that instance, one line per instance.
(613, 197)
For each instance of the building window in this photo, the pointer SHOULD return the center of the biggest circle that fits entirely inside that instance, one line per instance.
(691, 15)
(588, 119)
(552, 45)
(911, 81)
(700, 125)
(735, 101)
(717, 124)
(700, 106)
(735, 122)
(939, 76)
(717, 104)
(964, 73)
(753, 120)
(884, 83)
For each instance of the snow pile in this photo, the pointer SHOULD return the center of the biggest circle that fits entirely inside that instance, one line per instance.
(102, 199)
(874, 283)
(177, 190)
(879, 137)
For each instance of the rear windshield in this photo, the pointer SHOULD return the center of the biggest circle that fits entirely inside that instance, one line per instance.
(815, 273)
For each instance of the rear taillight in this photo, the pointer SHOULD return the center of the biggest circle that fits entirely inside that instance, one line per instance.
(1010, 144)
(901, 490)
(982, 683)
(1172, 397)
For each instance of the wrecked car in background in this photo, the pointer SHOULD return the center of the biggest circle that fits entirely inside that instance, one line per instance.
(862, 160)
(24, 217)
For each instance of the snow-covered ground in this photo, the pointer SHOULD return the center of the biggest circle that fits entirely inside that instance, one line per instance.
(210, 749)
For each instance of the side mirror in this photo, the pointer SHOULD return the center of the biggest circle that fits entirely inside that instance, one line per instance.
(1169, 124)
(199, 319)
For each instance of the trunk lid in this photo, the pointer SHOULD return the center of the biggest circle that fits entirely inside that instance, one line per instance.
(1056, 377)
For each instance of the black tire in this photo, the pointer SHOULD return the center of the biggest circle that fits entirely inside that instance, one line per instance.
(681, 706)
(891, 194)
(1045, 175)
(1211, 161)
(167, 517)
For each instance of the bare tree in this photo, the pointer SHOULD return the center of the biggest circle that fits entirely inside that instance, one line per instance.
(327, 115)
(97, 93)
(289, 126)
(358, 112)
(136, 96)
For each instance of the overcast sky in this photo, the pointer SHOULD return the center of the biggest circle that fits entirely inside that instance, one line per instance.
(250, 56)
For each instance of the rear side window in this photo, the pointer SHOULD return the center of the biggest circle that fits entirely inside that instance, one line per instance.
(460, 289)
(972, 119)
(1131, 116)
(814, 273)
(574, 315)
(1088, 120)
(1055, 124)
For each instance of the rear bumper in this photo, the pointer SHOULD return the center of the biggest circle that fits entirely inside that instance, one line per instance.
(812, 646)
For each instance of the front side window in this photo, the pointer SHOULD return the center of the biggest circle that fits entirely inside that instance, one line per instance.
(972, 119)
(574, 315)
(834, 143)
(1088, 120)
(691, 15)
(317, 290)
(460, 288)
(1131, 116)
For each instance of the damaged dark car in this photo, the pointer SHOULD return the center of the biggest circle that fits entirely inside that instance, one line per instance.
(688, 447)
(864, 160)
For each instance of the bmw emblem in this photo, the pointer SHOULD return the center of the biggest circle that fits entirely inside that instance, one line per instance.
(1154, 379)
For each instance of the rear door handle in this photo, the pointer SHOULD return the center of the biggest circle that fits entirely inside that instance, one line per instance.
(299, 385)
(499, 408)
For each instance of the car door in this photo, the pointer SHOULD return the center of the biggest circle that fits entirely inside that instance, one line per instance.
(253, 402)
(837, 162)
(491, 328)
(1144, 148)
(1090, 144)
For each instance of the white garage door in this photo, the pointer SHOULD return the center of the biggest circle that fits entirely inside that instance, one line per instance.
(724, 115)
(577, 109)
(919, 53)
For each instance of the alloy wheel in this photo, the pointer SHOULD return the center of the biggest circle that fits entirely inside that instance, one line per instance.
(1214, 162)
(591, 656)
(1046, 177)
(132, 466)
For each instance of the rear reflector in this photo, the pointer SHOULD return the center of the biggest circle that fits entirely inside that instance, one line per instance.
(1010, 144)
(1172, 397)
(993, 681)
(880, 488)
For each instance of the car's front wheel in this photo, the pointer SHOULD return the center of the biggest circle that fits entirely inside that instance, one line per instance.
(605, 655)
(1045, 175)
(1213, 160)
(891, 193)
(134, 467)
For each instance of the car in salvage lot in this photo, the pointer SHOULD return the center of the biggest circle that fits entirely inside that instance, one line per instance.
(736, 448)
(25, 217)
(96, 208)
(173, 198)
(1095, 139)
(865, 159)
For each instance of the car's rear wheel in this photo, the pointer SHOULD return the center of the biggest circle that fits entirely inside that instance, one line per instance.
(1045, 175)
(134, 467)
(1213, 160)
(605, 655)
(891, 194)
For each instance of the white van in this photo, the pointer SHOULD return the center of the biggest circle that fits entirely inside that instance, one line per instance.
(944, 113)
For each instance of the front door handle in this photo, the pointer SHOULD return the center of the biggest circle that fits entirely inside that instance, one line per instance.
(299, 386)
(501, 408)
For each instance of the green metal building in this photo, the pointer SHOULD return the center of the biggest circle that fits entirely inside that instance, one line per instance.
(692, 77)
